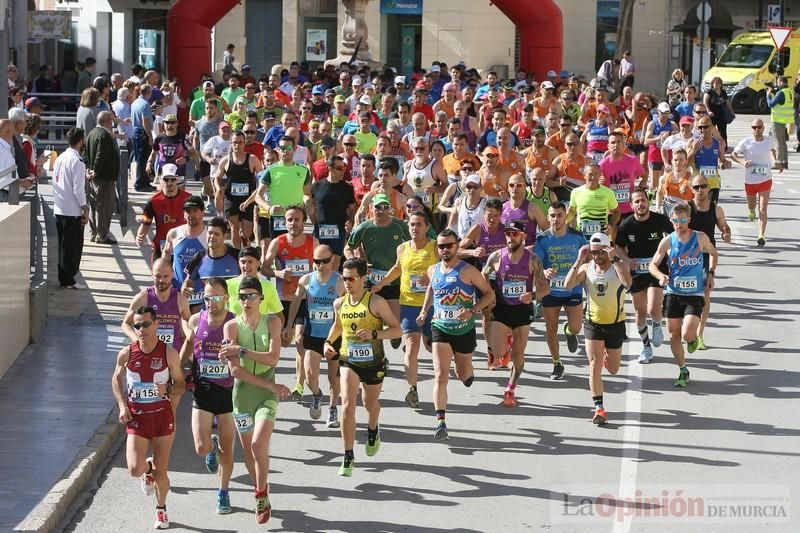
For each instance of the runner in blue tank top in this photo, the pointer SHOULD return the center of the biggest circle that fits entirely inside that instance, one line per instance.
(219, 261)
(454, 285)
(183, 243)
(685, 284)
(320, 289)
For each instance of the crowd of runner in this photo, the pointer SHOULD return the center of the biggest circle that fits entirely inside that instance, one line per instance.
(344, 208)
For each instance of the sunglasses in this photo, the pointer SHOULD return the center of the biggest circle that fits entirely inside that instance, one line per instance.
(703, 127)
(467, 169)
(597, 252)
(513, 232)
(212, 299)
(699, 112)
(680, 220)
(446, 246)
(419, 148)
(472, 187)
(350, 279)
(249, 132)
(571, 144)
(757, 127)
(413, 205)
(516, 185)
(700, 186)
(170, 122)
(285, 148)
(169, 180)
(349, 144)
(251, 296)
(322, 261)
(140, 325)
(382, 207)
(491, 156)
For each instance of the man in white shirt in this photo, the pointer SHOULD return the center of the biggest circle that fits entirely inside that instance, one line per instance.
(627, 68)
(6, 156)
(70, 207)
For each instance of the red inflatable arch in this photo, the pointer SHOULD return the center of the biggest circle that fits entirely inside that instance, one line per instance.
(541, 33)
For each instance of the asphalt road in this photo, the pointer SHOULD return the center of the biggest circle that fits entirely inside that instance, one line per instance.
(720, 455)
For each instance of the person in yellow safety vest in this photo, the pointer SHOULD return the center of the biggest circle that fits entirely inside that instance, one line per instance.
(781, 103)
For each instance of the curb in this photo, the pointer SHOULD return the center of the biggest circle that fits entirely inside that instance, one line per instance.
(49, 512)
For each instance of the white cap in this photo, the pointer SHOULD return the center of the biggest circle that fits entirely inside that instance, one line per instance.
(366, 100)
(400, 79)
(169, 170)
(368, 85)
(663, 107)
(472, 178)
(356, 80)
(547, 85)
(552, 74)
(436, 68)
(600, 239)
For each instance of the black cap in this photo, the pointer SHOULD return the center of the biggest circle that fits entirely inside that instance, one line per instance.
(516, 225)
(194, 202)
(269, 114)
(538, 130)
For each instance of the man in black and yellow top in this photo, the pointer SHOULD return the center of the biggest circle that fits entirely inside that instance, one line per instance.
(359, 318)
(604, 279)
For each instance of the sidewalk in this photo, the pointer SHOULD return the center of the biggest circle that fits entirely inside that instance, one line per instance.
(57, 395)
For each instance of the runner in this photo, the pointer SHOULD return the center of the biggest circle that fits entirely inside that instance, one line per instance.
(251, 348)
(620, 171)
(359, 320)
(676, 184)
(557, 249)
(757, 154)
(288, 258)
(147, 385)
(520, 280)
(452, 292)
(639, 237)
(220, 260)
(181, 244)
(604, 279)
(539, 194)
(569, 170)
(213, 388)
(165, 208)
(334, 207)
(658, 130)
(250, 266)
(376, 241)
(708, 156)
(414, 257)
(468, 208)
(171, 306)
(319, 289)
(518, 207)
(706, 216)
(593, 205)
(685, 284)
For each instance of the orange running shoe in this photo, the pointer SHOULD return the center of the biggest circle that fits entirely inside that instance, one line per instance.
(509, 398)
(600, 418)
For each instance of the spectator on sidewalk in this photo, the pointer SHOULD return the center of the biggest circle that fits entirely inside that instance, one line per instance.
(142, 121)
(70, 208)
(86, 119)
(6, 155)
(20, 121)
(102, 158)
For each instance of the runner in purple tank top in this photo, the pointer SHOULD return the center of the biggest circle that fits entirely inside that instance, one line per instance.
(519, 280)
(517, 207)
(172, 307)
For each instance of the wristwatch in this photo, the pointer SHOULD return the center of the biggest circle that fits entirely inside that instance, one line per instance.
(374, 334)
(242, 351)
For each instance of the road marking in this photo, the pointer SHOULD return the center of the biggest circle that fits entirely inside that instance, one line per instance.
(631, 432)
(793, 191)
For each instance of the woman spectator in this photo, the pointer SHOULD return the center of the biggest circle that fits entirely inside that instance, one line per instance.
(15, 97)
(675, 88)
(103, 87)
(88, 110)
(719, 107)
(30, 144)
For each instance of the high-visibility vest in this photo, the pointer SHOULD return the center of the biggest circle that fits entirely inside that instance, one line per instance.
(784, 113)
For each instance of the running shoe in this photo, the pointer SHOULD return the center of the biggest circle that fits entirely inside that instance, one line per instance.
(509, 398)
(223, 503)
(657, 338)
(506, 359)
(491, 363)
(297, 393)
(600, 417)
(440, 432)
(537, 309)
(412, 398)
(162, 521)
(396, 343)
(572, 340)
(346, 469)
(691, 347)
(761, 241)
(315, 409)
(683, 379)
(373, 443)
(558, 371)
(646, 355)
(263, 509)
(333, 418)
(212, 459)
(701, 344)
(751, 215)
(148, 483)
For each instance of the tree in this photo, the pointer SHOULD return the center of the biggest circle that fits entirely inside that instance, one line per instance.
(624, 27)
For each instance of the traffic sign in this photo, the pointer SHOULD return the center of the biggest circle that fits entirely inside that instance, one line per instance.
(774, 14)
(779, 35)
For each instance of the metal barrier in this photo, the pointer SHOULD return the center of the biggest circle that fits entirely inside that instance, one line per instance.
(122, 187)
(58, 118)
(37, 233)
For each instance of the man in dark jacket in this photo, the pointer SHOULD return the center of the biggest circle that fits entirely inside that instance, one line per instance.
(102, 160)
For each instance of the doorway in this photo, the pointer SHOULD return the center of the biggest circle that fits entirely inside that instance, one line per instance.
(403, 42)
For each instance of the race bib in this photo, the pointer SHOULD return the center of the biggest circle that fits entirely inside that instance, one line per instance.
(166, 334)
(278, 223)
(685, 283)
(416, 284)
(558, 282)
(213, 369)
(244, 422)
(143, 392)
(514, 289)
(425, 197)
(360, 352)
(196, 298)
(643, 265)
(448, 313)
(328, 231)
(622, 195)
(759, 170)
(297, 266)
(321, 315)
(375, 276)
(240, 189)
(591, 226)
(709, 172)
(597, 156)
